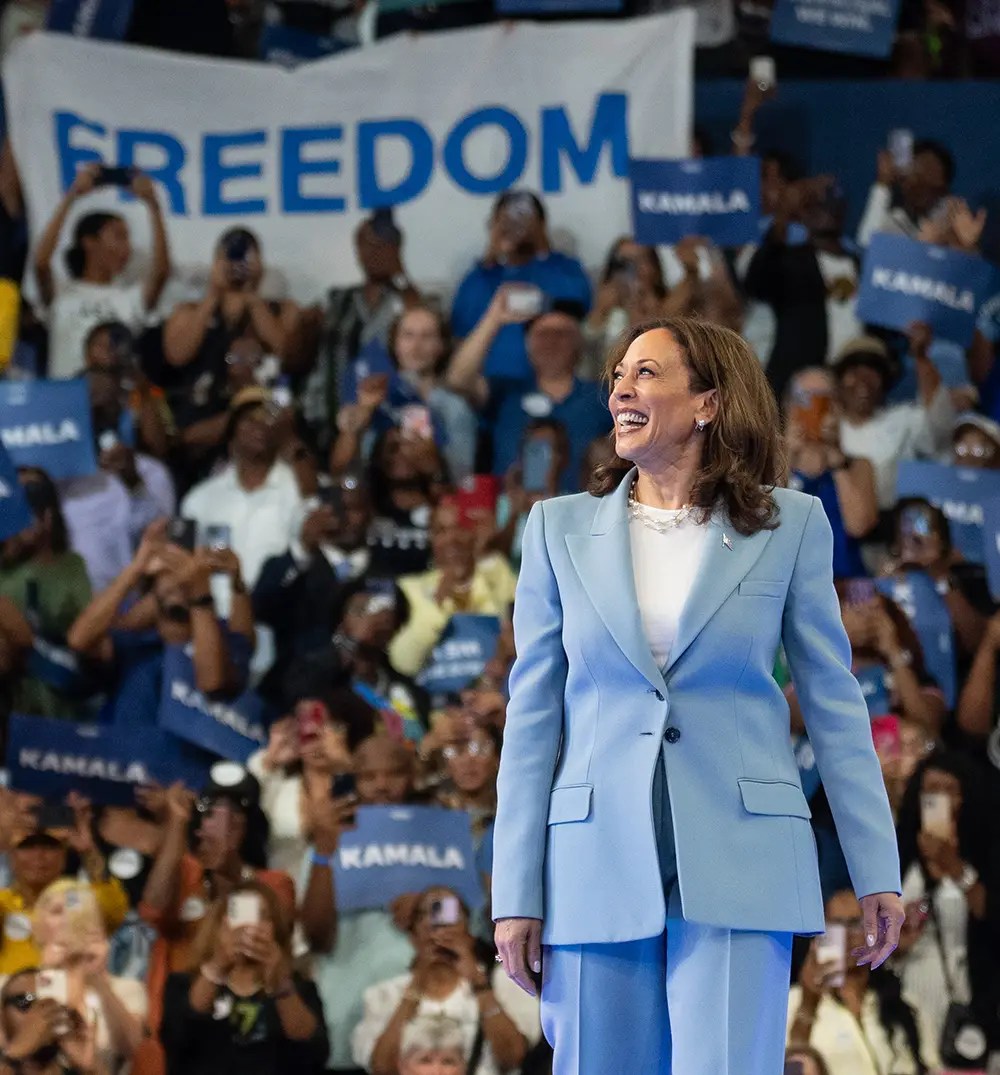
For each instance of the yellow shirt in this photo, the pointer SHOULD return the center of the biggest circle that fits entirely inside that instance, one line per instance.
(17, 944)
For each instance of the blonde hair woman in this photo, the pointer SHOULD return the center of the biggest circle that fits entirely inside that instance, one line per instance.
(68, 928)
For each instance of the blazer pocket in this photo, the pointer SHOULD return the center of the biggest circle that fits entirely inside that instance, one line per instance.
(779, 797)
(570, 803)
(762, 588)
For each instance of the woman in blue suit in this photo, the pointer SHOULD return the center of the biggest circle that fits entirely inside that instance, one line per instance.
(653, 856)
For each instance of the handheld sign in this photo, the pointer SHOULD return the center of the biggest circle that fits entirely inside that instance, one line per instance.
(466, 644)
(873, 687)
(232, 730)
(717, 197)
(991, 544)
(394, 850)
(15, 513)
(105, 19)
(105, 763)
(960, 492)
(46, 424)
(903, 280)
(855, 27)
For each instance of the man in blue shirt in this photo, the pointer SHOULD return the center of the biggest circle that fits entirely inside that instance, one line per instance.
(553, 342)
(519, 252)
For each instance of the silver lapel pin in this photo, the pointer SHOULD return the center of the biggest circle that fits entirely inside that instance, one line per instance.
(727, 542)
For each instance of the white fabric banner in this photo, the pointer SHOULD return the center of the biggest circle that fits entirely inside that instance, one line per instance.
(437, 124)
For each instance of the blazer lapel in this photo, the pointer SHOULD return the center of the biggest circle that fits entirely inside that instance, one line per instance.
(726, 561)
(603, 560)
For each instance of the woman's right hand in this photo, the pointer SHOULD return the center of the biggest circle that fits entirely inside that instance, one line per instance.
(85, 180)
(36, 1030)
(224, 950)
(282, 744)
(813, 976)
(519, 944)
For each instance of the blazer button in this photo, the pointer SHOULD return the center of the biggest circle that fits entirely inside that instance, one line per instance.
(659, 694)
(672, 735)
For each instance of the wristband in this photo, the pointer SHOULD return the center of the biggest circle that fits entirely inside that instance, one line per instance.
(321, 860)
(205, 601)
(741, 140)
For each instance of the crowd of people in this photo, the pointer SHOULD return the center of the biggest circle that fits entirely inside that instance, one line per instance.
(306, 502)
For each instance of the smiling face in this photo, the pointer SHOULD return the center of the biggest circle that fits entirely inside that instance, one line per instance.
(653, 407)
(419, 344)
(861, 391)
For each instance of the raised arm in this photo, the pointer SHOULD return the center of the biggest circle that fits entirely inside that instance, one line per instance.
(159, 269)
(465, 371)
(83, 184)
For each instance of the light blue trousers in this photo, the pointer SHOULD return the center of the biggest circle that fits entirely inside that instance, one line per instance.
(696, 1000)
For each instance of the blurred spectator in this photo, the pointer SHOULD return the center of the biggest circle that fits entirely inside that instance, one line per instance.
(886, 435)
(454, 584)
(48, 585)
(256, 499)
(352, 950)
(809, 1060)
(432, 1044)
(358, 316)
(449, 977)
(818, 466)
(902, 199)
(100, 253)
(199, 26)
(946, 953)
(413, 397)
(554, 346)
(240, 1006)
(864, 1026)
(810, 282)
(203, 858)
(70, 934)
(976, 442)
(977, 707)
(38, 858)
(518, 253)
(901, 746)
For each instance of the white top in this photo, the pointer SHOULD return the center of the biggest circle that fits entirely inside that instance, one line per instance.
(79, 307)
(664, 567)
(281, 801)
(382, 1000)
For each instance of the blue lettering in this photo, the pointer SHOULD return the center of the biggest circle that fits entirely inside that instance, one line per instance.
(293, 168)
(371, 193)
(517, 155)
(217, 173)
(70, 156)
(609, 127)
(167, 173)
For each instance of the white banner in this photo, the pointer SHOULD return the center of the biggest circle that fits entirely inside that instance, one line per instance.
(437, 124)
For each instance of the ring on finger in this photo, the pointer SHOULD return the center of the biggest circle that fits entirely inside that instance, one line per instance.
(499, 959)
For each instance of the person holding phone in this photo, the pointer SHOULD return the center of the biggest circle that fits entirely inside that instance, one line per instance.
(450, 977)
(853, 1015)
(653, 856)
(818, 466)
(100, 253)
(240, 1006)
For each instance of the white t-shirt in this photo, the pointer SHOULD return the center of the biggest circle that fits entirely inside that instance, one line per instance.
(79, 307)
(664, 567)
(840, 274)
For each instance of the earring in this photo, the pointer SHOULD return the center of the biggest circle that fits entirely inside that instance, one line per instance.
(700, 425)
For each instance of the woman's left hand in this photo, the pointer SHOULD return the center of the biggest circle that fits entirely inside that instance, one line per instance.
(940, 855)
(884, 915)
(257, 943)
(457, 943)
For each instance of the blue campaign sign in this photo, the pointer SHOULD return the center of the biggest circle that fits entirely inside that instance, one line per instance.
(805, 759)
(960, 492)
(394, 850)
(924, 607)
(717, 197)
(857, 27)
(466, 644)
(232, 730)
(105, 19)
(373, 359)
(46, 424)
(105, 763)
(873, 687)
(904, 280)
(15, 514)
(991, 544)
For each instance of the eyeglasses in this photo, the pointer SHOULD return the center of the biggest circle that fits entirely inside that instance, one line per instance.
(474, 749)
(21, 1001)
(975, 451)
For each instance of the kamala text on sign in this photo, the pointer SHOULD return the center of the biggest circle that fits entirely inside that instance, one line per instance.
(47, 424)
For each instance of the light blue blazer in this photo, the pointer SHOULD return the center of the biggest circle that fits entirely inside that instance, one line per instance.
(591, 716)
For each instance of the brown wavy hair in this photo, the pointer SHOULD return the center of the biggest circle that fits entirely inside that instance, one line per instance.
(743, 457)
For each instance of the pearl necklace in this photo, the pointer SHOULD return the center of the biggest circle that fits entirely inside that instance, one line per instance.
(641, 513)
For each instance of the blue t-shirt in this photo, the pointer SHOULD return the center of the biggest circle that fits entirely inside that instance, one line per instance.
(988, 323)
(558, 276)
(584, 414)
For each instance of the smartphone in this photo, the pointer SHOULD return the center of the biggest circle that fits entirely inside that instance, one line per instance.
(762, 71)
(810, 411)
(885, 733)
(54, 815)
(384, 226)
(446, 911)
(901, 148)
(343, 784)
(794, 1066)
(114, 176)
(310, 719)
(243, 909)
(525, 301)
(415, 421)
(332, 496)
(831, 953)
(181, 532)
(52, 984)
(536, 465)
(859, 591)
(108, 440)
(915, 522)
(218, 536)
(935, 814)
